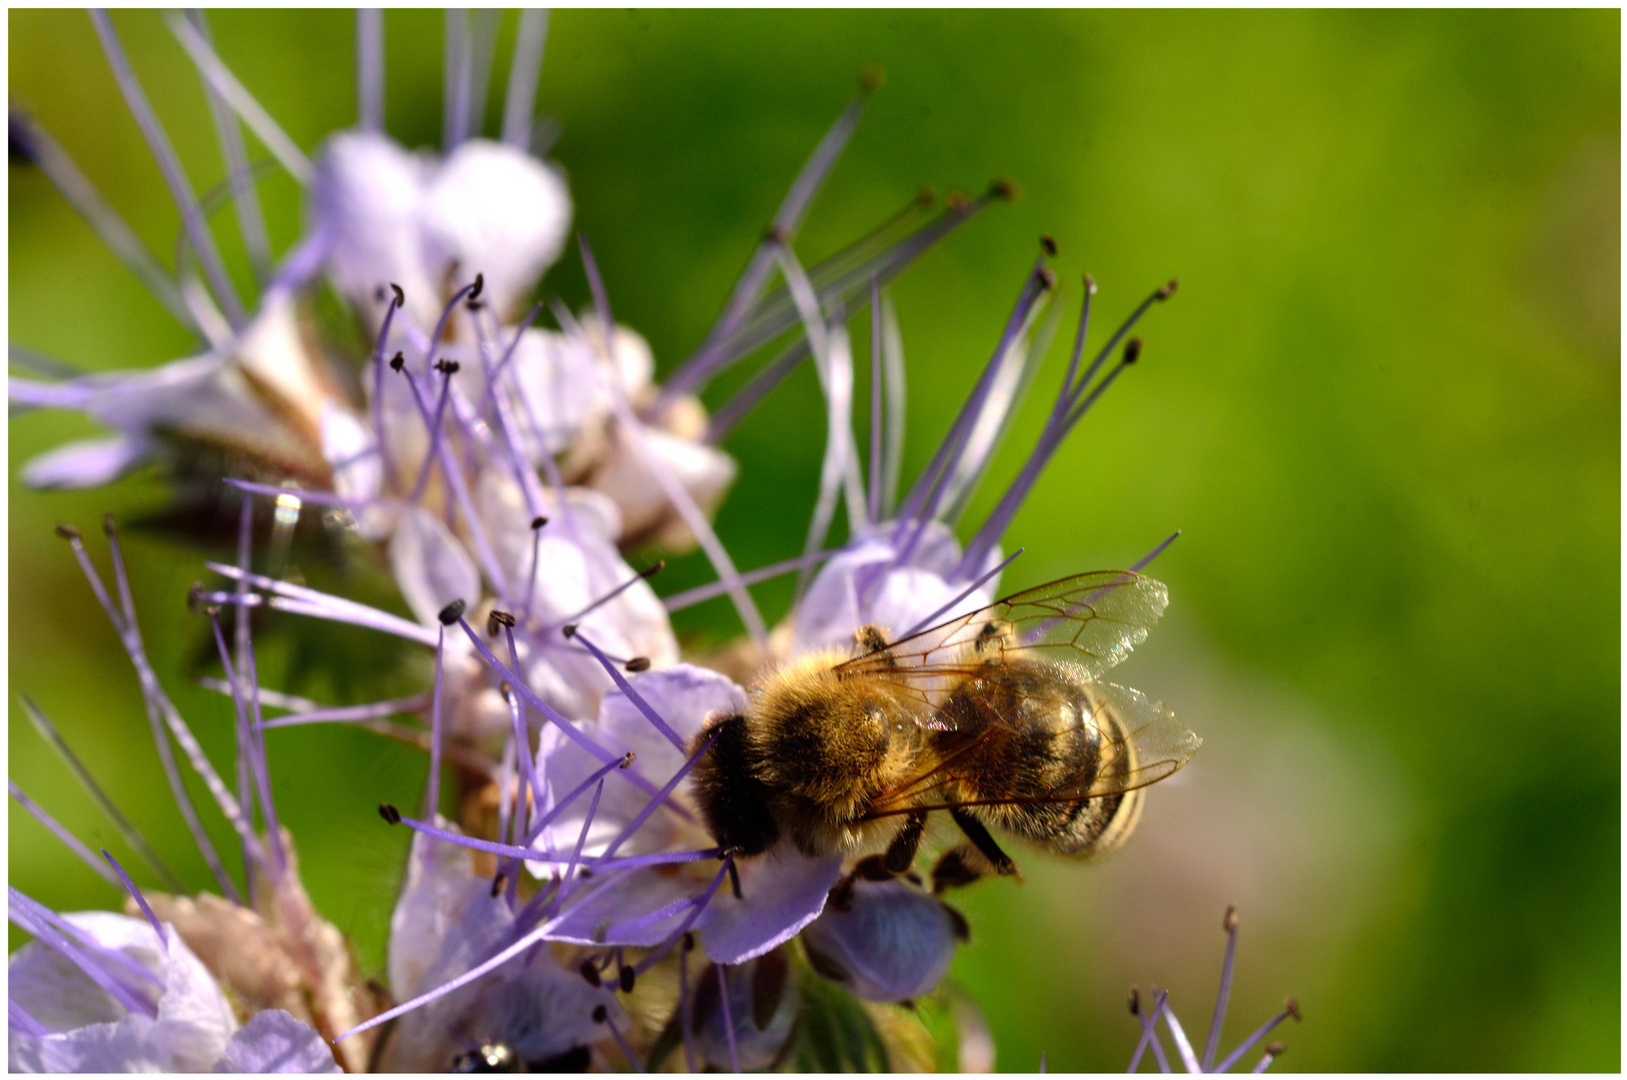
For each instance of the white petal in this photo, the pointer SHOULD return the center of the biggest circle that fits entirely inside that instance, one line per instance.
(352, 454)
(367, 196)
(430, 565)
(275, 1041)
(628, 477)
(496, 211)
(123, 1046)
(273, 352)
(194, 1019)
(88, 463)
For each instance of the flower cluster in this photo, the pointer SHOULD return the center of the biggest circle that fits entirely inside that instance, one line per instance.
(577, 910)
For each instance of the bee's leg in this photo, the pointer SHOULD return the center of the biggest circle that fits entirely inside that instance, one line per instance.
(901, 852)
(869, 868)
(958, 867)
(979, 836)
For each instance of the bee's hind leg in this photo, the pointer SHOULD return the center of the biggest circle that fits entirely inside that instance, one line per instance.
(980, 838)
(901, 852)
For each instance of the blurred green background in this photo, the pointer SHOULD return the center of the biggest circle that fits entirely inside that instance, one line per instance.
(1384, 406)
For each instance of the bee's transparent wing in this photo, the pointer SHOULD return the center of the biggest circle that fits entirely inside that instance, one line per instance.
(1091, 620)
(1148, 744)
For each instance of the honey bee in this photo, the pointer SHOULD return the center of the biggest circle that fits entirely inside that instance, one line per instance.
(996, 717)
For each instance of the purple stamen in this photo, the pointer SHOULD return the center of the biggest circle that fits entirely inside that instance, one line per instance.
(621, 1041)
(109, 958)
(931, 620)
(370, 69)
(1260, 1032)
(528, 760)
(728, 1017)
(141, 901)
(634, 696)
(432, 793)
(158, 706)
(131, 835)
(1149, 1031)
(459, 485)
(436, 430)
(250, 219)
(581, 839)
(1071, 405)
(747, 398)
(601, 299)
(224, 85)
(658, 798)
(570, 729)
(689, 920)
(245, 789)
(1155, 552)
(1182, 1044)
(197, 231)
(528, 788)
(702, 593)
(705, 359)
(80, 194)
(398, 299)
(685, 1006)
(1212, 1043)
(61, 832)
(344, 714)
(470, 290)
(643, 575)
(249, 748)
(21, 912)
(306, 601)
(522, 77)
(922, 502)
(455, 122)
(483, 45)
(22, 1022)
(319, 498)
(875, 400)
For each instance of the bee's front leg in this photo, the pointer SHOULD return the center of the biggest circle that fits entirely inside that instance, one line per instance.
(901, 852)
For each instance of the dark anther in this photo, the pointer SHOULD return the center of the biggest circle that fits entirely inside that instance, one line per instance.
(1169, 290)
(589, 972)
(653, 569)
(497, 884)
(480, 283)
(926, 196)
(397, 362)
(1135, 1001)
(1229, 923)
(627, 978)
(1090, 285)
(474, 305)
(689, 941)
(957, 202)
(871, 80)
(1291, 1007)
(193, 595)
(638, 663)
(1275, 1049)
(538, 522)
(1004, 189)
(569, 630)
(389, 813)
(452, 612)
(777, 235)
(600, 1014)
(1047, 278)
(447, 367)
(1132, 350)
(626, 762)
(107, 525)
(67, 532)
(497, 620)
(1048, 242)
(400, 297)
